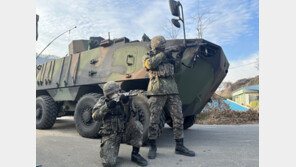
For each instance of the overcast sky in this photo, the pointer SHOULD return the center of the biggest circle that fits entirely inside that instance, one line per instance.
(234, 25)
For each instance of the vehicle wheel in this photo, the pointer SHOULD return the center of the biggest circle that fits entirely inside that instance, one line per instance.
(46, 112)
(84, 123)
(140, 104)
(170, 123)
(188, 122)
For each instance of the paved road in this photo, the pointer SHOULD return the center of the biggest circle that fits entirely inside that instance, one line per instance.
(223, 145)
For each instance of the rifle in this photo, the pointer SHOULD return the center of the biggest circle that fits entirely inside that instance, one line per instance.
(176, 48)
(129, 94)
(117, 98)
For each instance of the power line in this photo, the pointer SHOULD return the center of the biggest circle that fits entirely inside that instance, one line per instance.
(243, 65)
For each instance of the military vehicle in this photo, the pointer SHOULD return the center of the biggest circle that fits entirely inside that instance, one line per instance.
(71, 85)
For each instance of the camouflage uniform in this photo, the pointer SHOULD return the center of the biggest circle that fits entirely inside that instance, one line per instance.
(164, 93)
(118, 126)
(174, 106)
(163, 90)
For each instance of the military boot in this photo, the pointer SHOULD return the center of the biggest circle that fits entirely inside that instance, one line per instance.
(152, 149)
(181, 149)
(137, 158)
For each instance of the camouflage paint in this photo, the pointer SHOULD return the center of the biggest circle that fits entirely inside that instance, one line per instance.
(196, 85)
(64, 94)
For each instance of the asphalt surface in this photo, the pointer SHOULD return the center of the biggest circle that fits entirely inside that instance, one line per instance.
(215, 145)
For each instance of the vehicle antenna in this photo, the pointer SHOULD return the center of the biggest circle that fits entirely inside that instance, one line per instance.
(55, 39)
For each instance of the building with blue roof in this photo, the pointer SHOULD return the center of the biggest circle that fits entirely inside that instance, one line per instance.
(236, 107)
(231, 104)
(247, 96)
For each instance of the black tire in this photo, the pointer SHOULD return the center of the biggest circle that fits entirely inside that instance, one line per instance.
(140, 103)
(170, 123)
(85, 125)
(46, 112)
(188, 122)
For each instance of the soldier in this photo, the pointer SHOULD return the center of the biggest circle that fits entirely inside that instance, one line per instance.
(163, 92)
(112, 110)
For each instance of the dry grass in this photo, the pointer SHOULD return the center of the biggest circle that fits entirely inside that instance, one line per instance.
(228, 117)
(220, 113)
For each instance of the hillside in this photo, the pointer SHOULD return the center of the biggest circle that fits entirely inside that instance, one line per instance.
(227, 88)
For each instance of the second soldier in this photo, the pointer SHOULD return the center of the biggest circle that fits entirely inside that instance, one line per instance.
(112, 111)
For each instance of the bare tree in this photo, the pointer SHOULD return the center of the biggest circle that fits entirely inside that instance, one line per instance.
(203, 20)
(170, 30)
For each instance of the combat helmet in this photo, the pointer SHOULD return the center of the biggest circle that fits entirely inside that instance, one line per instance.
(110, 87)
(158, 42)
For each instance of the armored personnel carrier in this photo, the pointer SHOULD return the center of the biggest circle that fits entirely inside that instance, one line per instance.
(71, 85)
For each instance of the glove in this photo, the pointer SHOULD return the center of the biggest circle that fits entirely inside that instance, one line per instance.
(93, 115)
(111, 104)
(124, 99)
